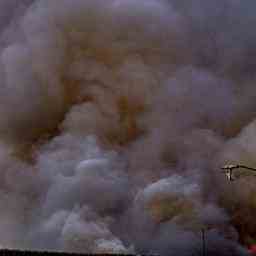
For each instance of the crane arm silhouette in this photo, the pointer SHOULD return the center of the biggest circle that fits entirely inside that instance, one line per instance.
(229, 170)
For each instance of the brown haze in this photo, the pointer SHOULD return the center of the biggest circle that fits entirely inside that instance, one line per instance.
(115, 116)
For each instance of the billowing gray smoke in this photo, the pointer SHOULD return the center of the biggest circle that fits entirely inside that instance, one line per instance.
(115, 116)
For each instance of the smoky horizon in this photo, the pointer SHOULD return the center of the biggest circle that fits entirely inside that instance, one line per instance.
(116, 117)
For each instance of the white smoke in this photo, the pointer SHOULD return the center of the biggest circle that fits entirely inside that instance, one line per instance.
(114, 118)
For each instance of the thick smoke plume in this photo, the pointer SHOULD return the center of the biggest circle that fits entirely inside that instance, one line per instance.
(115, 116)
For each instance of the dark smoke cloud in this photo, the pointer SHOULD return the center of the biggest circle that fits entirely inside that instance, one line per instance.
(114, 119)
